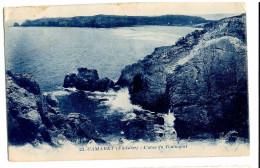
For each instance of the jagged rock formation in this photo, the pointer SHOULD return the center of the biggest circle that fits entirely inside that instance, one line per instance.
(23, 106)
(87, 79)
(33, 119)
(202, 79)
(147, 78)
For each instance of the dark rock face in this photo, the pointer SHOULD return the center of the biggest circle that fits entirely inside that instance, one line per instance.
(50, 103)
(33, 118)
(87, 79)
(78, 127)
(202, 79)
(135, 129)
(23, 108)
(26, 81)
(103, 85)
(147, 78)
(208, 94)
(69, 80)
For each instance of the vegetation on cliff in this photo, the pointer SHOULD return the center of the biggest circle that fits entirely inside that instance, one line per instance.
(108, 21)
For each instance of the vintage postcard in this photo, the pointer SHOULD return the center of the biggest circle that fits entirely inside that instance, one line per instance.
(127, 80)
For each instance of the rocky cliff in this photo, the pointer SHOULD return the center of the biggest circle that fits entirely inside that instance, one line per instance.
(202, 79)
(35, 118)
(208, 92)
(146, 79)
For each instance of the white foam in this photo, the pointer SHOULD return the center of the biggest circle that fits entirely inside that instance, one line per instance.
(129, 116)
(169, 119)
(63, 92)
(121, 101)
(57, 93)
(60, 93)
(70, 89)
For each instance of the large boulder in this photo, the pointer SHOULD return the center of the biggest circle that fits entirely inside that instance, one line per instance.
(87, 79)
(208, 94)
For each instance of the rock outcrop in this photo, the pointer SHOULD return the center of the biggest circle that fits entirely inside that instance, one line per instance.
(33, 119)
(208, 94)
(24, 106)
(202, 79)
(69, 80)
(25, 81)
(146, 79)
(87, 79)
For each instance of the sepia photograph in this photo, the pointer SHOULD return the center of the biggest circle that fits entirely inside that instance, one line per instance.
(126, 81)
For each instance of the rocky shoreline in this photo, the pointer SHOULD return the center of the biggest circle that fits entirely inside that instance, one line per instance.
(34, 118)
(202, 79)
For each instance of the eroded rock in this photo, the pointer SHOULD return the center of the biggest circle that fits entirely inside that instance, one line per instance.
(202, 79)
(208, 93)
(87, 79)
(33, 118)
(22, 108)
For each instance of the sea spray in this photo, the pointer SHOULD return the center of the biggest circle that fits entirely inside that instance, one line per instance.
(167, 130)
(115, 117)
(169, 119)
(122, 101)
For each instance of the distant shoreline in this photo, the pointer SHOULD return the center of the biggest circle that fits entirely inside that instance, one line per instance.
(192, 26)
(113, 21)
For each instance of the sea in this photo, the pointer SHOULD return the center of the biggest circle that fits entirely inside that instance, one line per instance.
(50, 53)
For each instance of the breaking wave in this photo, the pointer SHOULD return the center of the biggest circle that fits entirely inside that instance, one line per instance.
(118, 100)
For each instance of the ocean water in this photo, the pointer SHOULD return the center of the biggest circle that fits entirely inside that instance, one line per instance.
(49, 53)
(115, 117)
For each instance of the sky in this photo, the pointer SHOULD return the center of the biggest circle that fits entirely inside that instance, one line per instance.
(131, 9)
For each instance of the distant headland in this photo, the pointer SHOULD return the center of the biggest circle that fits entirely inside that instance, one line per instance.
(111, 21)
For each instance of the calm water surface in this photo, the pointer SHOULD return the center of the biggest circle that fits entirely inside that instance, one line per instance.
(49, 53)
